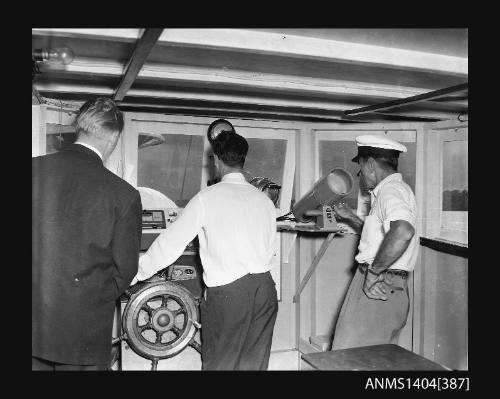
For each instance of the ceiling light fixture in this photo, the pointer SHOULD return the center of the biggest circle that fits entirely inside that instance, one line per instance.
(61, 55)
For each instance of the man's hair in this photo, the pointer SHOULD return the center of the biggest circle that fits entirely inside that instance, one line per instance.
(385, 161)
(99, 117)
(231, 148)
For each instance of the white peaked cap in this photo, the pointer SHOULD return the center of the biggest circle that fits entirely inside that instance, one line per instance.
(370, 140)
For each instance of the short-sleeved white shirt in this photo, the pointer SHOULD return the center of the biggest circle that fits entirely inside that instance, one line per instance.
(392, 199)
(236, 227)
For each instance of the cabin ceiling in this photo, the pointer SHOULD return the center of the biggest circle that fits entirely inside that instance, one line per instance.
(280, 74)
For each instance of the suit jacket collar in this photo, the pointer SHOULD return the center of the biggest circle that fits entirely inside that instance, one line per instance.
(86, 151)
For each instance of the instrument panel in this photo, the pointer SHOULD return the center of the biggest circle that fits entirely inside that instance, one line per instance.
(159, 218)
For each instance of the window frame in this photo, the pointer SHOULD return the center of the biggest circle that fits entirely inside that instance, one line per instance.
(439, 224)
(136, 123)
(163, 129)
(43, 117)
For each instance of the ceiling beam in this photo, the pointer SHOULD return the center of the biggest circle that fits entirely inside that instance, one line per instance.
(118, 34)
(409, 100)
(337, 108)
(431, 115)
(277, 44)
(460, 99)
(144, 46)
(422, 114)
(333, 116)
(232, 114)
(260, 80)
(244, 79)
(242, 98)
(73, 88)
(315, 49)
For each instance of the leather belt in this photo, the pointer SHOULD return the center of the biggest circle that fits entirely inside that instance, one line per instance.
(396, 272)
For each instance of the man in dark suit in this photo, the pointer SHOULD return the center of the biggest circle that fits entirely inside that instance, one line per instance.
(86, 232)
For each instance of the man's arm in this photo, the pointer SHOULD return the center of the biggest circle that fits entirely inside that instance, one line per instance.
(393, 246)
(170, 244)
(346, 214)
(126, 244)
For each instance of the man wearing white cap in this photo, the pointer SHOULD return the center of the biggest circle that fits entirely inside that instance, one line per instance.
(376, 306)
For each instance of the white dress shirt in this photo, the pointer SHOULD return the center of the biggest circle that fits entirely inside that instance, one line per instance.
(90, 148)
(236, 227)
(392, 199)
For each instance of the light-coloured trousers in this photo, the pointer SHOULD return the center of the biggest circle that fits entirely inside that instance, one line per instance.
(364, 321)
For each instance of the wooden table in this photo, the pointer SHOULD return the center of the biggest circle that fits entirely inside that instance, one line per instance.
(370, 358)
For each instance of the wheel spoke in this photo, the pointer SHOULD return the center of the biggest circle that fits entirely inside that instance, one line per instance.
(178, 311)
(148, 309)
(146, 326)
(164, 301)
(195, 345)
(176, 330)
(158, 337)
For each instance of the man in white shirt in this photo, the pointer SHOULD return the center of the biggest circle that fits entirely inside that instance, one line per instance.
(376, 306)
(236, 227)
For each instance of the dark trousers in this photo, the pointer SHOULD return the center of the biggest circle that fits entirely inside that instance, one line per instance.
(38, 364)
(237, 324)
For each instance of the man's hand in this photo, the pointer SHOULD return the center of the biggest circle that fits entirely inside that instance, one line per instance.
(343, 211)
(373, 286)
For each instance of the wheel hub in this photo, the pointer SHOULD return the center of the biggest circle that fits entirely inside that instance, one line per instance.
(162, 320)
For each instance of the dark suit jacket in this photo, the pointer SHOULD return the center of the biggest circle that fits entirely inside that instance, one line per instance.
(86, 232)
